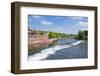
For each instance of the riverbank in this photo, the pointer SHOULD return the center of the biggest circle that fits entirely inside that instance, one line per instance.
(37, 41)
(62, 49)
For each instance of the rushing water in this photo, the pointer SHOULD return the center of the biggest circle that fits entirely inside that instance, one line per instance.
(60, 49)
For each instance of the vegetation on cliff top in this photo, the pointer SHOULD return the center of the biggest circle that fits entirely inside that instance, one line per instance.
(82, 35)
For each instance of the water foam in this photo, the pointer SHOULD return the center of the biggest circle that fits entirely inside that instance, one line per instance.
(46, 52)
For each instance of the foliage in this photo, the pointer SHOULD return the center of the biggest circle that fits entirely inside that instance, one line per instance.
(82, 35)
(60, 35)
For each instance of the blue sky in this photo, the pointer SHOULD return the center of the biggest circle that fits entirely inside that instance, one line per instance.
(61, 24)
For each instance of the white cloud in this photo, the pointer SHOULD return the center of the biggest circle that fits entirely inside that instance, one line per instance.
(36, 16)
(30, 26)
(46, 23)
(59, 28)
(77, 18)
(82, 23)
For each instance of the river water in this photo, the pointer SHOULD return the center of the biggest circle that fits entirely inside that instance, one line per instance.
(60, 49)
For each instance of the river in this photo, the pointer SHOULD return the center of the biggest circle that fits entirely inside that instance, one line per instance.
(60, 49)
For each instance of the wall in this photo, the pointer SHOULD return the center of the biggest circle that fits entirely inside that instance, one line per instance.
(5, 33)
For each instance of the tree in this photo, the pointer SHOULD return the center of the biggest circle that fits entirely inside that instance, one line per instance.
(82, 35)
(52, 35)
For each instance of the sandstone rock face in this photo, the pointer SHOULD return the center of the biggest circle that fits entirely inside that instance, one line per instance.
(37, 40)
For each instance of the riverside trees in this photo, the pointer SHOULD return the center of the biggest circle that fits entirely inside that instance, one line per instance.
(82, 35)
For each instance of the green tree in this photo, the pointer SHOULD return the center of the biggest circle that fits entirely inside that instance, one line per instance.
(52, 35)
(82, 35)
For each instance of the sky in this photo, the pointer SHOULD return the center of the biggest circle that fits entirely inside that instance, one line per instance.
(61, 24)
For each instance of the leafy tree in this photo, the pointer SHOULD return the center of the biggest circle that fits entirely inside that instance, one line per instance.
(82, 35)
(52, 35)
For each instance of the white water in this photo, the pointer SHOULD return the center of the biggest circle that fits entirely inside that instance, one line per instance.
(46, 52)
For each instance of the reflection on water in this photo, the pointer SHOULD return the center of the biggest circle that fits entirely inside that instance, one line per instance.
(78, 51)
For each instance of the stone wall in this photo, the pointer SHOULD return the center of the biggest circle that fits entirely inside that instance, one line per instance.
(35, 39)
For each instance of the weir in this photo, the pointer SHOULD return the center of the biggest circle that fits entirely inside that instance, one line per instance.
(46, 52)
